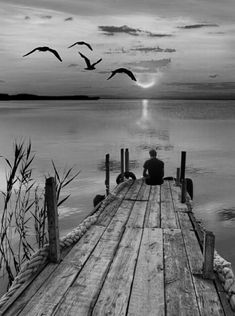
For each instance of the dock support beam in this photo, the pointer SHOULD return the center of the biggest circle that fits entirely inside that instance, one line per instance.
(208, 254)
(183, 191)
(183, 163)
(127, 160)
(122, 164)
(107, 174)
(52, 217)
(178, 176)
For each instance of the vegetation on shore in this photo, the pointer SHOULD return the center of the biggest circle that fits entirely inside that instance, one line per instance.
(23, 212)
(26, 96)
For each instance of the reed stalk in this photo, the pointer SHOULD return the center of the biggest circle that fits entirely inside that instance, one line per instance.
(24, 210)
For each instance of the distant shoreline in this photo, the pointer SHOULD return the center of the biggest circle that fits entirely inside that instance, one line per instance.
(25, 96)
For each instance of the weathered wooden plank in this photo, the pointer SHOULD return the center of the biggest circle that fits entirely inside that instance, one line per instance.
(21, 297)
(176, 197)
(192, 246)
(109, 211)
(81, 296)
(114, 296)
(207, 296)
(137, 215)
(50, 293)
(144, 192)
(147, 295)
(132, 194)
(223, 298)
(168, 217)
(179, 290)
(152, 218)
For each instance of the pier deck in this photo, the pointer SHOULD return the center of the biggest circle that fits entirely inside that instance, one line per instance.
(141, 257)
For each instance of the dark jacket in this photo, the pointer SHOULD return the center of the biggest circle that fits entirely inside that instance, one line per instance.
(155, 168)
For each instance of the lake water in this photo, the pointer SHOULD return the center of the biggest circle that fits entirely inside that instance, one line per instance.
(79, 133)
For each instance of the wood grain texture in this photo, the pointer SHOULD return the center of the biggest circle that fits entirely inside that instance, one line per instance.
(152, 218)
(179, 290)
(168, 216)
(109, 211)
(176, 198)
(137, 215)
(114, 296)
(51, 292)
(147, 296)
(192, 247)
(144, 192)
(134, 190)
(82, 295)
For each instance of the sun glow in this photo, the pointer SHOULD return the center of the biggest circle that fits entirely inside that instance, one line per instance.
(147, 80)
(146, 85)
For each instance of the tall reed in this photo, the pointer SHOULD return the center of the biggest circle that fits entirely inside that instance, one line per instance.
(24, 210)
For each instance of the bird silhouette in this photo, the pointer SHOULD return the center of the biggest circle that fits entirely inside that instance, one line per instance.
(81, 43)
(122, 70)
(45, 49)
(88, 63)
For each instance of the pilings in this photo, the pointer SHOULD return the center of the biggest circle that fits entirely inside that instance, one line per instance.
(107, 173)
(208, 254)
(52, 217)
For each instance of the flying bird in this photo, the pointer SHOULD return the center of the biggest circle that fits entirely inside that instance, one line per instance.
(122, 70)
(81, 43)
(45, 49)
(88, 63)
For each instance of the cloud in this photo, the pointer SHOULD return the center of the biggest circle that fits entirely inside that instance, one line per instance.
(2, 81)
(112, 30)
(69, 19)
(150, 66)
(157, 34)
(46, 17)
(227, 85)
(116, 51)
(154, 49)
(197, 26)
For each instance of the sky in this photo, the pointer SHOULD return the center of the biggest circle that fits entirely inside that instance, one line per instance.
(175, 48)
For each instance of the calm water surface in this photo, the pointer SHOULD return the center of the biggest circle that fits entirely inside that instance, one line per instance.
(79, 133)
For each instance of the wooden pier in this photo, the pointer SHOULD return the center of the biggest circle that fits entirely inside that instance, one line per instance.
(141, 258)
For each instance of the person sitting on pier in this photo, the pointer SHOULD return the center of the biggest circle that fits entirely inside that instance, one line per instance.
(153, 169)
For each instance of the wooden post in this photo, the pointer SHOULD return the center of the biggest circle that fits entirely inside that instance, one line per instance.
(208, 254)
(178, 176)
(122, 163)
(52, 217)
(183, 162)
(107, 174)
(183, 191)
(126, 160)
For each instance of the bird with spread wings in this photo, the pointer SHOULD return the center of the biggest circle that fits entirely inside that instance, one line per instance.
(88, 63)
(122, 70)
(81, 43)
(44, 49)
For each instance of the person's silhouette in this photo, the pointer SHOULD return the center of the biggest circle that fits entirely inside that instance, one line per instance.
(153, 169)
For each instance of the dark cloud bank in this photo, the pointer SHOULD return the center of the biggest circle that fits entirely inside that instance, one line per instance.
(112, 30)
(197, 26)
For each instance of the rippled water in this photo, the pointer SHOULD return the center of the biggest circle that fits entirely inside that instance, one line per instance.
(80, 133)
